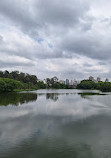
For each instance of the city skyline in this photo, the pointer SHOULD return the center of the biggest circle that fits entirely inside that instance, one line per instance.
(76, 81)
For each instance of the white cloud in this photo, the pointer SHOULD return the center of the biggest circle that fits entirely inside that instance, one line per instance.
(63, 38)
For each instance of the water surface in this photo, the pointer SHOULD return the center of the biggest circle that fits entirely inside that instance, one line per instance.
(55, 124)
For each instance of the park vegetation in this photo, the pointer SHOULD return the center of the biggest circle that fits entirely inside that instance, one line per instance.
(88, 84)
(19, 81)
(8, 85)
(55, 84)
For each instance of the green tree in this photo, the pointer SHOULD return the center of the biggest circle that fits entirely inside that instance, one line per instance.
(87, 84)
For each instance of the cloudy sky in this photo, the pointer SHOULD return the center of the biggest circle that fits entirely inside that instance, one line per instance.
(67, 38)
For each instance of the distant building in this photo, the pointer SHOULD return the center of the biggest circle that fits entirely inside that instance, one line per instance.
(106, 80)
(62, 82)
(98, 79)
(75, 83)
(71, 82)
(91, 78)
(67, 81)
(78, 82)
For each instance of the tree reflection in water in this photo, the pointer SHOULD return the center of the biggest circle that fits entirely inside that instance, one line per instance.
(24, 98)
(17, 98)
(53, 96)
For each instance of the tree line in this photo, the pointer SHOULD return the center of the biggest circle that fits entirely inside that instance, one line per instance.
(9, 81)
(19, 76)
(55, 84)
(88, 84)
(15, 80)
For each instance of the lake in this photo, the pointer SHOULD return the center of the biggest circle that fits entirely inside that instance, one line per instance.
(55, 124)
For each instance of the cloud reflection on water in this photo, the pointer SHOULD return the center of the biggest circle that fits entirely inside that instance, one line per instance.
(45, 118)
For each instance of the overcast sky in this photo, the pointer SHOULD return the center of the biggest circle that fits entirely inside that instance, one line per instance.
(67, 38)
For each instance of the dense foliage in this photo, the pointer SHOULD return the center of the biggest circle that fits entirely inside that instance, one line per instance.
(10, 81)
(41, 85)
(88, 84)
(105, 87)
(8, 85)
(19, 76)
(26, 81)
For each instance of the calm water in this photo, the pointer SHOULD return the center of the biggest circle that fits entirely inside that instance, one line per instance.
(55, 124)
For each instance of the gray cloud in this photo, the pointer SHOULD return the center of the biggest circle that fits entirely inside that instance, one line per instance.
(14, 62)
(19, 13)
(89, 44)
(1, 39)
(33, 13)
(63, 12)
(44, 33)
